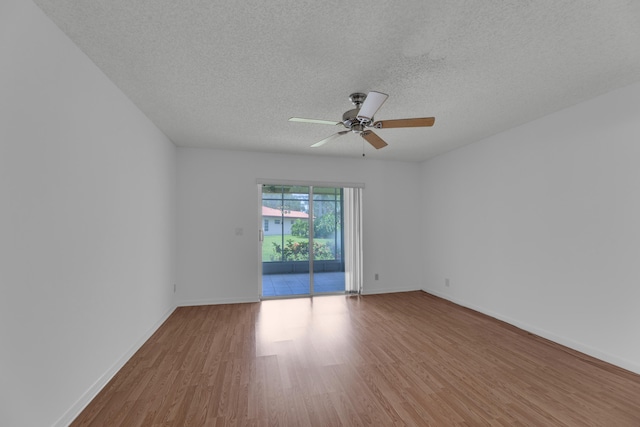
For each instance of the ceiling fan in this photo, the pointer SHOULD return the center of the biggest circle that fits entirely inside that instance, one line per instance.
(360, 118)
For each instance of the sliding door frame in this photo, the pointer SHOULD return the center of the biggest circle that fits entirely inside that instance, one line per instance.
(311, 185)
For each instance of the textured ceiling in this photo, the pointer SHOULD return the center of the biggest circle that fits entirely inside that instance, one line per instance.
(228, 74)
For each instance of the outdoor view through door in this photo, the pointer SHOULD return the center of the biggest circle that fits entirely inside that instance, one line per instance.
(302, 244)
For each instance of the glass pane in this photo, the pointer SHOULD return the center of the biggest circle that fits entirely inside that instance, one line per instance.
(285, 248)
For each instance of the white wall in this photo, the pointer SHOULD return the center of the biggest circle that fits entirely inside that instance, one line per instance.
(540, 226)
(87, 223)
(217, 193)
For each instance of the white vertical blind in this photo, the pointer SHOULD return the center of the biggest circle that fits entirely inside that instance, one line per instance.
(353, 240)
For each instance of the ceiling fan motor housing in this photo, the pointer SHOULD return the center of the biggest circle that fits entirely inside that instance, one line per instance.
(351, 122)
(350, 118)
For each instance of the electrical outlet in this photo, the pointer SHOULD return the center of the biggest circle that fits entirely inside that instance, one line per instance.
(376, 276)
(446, 282)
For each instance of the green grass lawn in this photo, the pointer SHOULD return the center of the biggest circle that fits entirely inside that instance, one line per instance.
(267, 244)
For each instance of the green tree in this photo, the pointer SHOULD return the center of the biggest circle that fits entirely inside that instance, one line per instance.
(300, 228)
(325, 226)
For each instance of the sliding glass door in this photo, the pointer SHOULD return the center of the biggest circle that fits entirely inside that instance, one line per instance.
(302, 240)
(285, 240)
(328, 247)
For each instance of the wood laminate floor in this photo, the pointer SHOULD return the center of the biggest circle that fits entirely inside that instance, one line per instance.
(394, 359)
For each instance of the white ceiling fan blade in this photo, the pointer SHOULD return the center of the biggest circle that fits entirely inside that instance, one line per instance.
(330, 138)
(371, 105)
(320, 122)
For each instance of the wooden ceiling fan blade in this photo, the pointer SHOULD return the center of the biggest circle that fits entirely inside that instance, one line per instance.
(374, 139)
(320, 122)
(330, 138)
(405, 123)
(371, 105)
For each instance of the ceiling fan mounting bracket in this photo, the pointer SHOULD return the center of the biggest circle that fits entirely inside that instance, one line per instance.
(357, 98)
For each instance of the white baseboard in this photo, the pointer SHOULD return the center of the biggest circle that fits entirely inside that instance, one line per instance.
(388, 291)
(582, 348)
(93, 391)
(216, 301)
